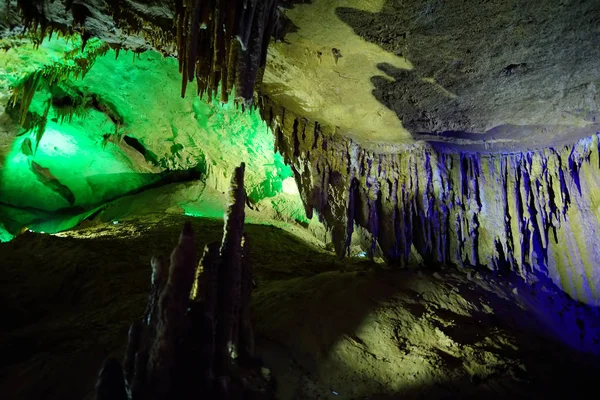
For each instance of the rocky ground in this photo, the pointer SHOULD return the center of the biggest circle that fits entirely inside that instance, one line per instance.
(327, 328)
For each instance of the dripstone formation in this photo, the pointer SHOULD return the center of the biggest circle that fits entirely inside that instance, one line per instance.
(218, 42)
(224, 42)
(195, 339)
(531, 211)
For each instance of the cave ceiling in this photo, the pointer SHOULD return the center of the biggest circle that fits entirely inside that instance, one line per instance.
(513, 74)
(496, 74)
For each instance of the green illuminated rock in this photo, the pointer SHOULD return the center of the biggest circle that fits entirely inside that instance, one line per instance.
(119, 128)
(4, 235)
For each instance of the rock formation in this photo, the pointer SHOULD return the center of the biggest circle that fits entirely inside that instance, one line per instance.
(217, 42)
(431, 160)
(224, 42)
(195, 339)
(531, 212)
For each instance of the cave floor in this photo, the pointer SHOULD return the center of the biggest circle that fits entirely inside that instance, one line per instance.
(327, 328)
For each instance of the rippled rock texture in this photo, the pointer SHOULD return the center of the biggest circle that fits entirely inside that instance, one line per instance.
(534, 212)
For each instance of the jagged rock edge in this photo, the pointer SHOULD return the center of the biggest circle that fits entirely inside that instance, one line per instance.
(504, 211)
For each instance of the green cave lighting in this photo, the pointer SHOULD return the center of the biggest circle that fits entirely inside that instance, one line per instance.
(5, 236)
(118, 127)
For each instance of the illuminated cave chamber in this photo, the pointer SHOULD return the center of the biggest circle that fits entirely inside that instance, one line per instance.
(487, 168)
(461, 137)
(121, 128)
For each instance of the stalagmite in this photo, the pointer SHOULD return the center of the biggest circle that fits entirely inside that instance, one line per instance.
(186, 345)
(231, 267)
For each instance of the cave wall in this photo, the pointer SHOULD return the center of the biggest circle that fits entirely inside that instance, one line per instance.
(490, 158)
(533, 212)
(530, 210)
(50, 161)
(122, 127)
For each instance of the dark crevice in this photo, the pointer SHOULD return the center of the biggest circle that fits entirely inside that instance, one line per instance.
(196, 173)
(149, 156)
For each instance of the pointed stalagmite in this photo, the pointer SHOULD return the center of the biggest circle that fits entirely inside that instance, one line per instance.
(231, 270)
(186, 345)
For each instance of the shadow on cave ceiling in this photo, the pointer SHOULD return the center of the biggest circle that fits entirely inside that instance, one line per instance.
(284, 25)
(480, 66)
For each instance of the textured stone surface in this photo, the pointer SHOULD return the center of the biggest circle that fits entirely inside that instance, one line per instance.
(346, 326)
(303, 74)
(104, 138)
(414, 67)
(189, 341)
(482, 64)
(534, 212)
(450, 132)
(504, 67)
(495, 161)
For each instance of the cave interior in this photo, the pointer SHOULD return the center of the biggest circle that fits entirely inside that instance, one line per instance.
(299, 199)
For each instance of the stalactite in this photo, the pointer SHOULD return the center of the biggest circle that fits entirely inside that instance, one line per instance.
(224, 42)
(41, 127)
(40, 23)
(50, 75)
(473, 209)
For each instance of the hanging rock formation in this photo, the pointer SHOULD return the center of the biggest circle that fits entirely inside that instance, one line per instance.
(75, 64)
(217, 42)
(224, 42)
(195, 339)
(533, 212)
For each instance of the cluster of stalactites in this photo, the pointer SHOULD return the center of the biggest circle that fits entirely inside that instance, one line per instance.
(196, 326)
(74, 65)
(218, 42)
(34, 20)
(224, 42)
(40, 23)
(530, 212)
